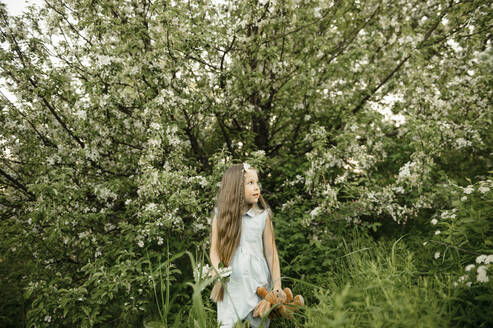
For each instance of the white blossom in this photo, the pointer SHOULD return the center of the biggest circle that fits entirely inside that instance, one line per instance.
(104, 193)
(481, 259)
(155, 126)
(489, 259)
(482, 277)
(470, 267)
(201, 180)
(434, 221)
(461, 143)
(445, 214)
(225, 272)
(81, 114)
(171, 135)
(469, 190)
(399, 190)
(109, 227)
(315, 212)
(140, 243)
(150, 207)
(53, 159)
(437, 232)
(104, 60)
(437, 255)
(410, 172)
(201, 272)
(154, 142)
(483, 189)
(404, 171)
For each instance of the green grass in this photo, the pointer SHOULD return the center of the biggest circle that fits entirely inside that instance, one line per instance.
(378, 285)
(372, 284)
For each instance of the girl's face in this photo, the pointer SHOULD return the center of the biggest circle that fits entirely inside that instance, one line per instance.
(252, 188)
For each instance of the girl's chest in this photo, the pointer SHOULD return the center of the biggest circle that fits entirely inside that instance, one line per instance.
(252, 228)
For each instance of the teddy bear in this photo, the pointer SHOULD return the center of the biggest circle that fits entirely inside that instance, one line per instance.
(286, 303)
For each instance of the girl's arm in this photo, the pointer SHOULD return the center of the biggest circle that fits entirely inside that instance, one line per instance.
(270, 252)
(213, 251)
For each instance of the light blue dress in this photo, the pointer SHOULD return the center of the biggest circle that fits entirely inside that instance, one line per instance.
(249, 271)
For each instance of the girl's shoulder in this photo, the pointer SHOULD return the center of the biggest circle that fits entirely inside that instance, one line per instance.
(260, 211)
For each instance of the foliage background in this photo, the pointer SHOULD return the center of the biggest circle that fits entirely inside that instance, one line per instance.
(369, 121)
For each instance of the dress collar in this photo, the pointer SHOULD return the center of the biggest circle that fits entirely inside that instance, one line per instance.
(250, 212)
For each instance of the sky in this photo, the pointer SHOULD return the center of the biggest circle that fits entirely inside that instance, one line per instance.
(16, 7)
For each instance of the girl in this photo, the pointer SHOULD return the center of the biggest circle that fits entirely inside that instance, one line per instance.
(242, 239)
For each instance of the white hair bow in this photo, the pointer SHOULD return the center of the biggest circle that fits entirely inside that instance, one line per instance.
(246, 167)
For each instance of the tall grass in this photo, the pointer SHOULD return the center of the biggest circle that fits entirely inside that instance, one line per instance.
(161, 286)
(372, 284)
(376, 284)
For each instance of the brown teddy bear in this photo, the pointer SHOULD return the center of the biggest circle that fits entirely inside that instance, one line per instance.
(285, 301)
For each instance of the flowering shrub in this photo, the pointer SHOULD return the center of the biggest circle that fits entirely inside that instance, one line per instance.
(477, 274)
(374, 170)
(463, 234)
(467, 225)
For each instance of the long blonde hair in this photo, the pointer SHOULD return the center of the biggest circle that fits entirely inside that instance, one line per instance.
(231, 204)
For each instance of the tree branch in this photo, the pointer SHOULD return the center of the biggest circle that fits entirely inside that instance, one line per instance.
(17, 184)
(402, 62)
